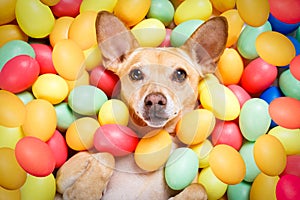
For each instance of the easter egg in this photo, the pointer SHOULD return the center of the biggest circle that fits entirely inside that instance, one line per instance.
(275, 48)
(60, 30)
(132, 12)
(50, 2)
(66, 8)
(181, 168)
(269, 155)
(285, 112)
(80, 134)
(11, 32)
(292, 165)
(34, 18)
(221, 101)
(40, 119)
(86, 99)
(81, 80)
(7, 10)
(149, 32)
(288, 187)
(240, 93)
(222, 6)
(289, 85)
(202, 150)
(282, 27)
(115, 139)
(12, 175)
(208, 81)
(150, 154)
(65, 116)
(25, 96)
(264, 187)
(12, 109)
(252, 170)
(35, 156)
(230, 67)
(93, 57)
(247, 38)
(285, 11)
(239, 191)
(95, 5)
(167, 41)
(10, 194)
(214, 187)
(254, 119)
(68, 59)
(43, 55)
(193, 9)
(227, 164)
(10, 136)
(43, 187)
(295, 67)
(255, 13)
(162, 10)
(270, 94)
(195, 126)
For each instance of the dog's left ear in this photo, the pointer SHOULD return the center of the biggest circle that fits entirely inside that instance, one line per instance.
(207, 44)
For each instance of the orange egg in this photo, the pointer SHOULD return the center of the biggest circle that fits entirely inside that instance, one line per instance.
(11, 32)
(264, 187)
(60, 30)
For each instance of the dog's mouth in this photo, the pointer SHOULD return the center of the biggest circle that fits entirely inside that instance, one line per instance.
(155, 116)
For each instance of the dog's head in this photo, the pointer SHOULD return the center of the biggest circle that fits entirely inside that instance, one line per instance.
(159, 84)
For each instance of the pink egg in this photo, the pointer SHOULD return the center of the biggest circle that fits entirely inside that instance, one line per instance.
(288, 187)
(292, 165)
(240, 93)
(66, 8)
(43, 54)
(167, 41)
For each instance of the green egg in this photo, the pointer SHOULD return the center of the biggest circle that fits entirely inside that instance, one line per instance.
(65, 116)
(162, 10)
(239, 191)
(25, 96)
(289, 85)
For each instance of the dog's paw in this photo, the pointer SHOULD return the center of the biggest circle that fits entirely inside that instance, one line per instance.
(192, 192)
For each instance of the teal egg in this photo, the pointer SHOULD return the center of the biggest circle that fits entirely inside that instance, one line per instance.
(181, 168)
(25, 97)
(183, 31)
(247, 38)
(289, 85)
(86, 100)
(239, 191)
(65, 116)
(162, 10)
(254, 119)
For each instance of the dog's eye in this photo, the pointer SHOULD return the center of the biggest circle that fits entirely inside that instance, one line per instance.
(136, 75)
(179, 75)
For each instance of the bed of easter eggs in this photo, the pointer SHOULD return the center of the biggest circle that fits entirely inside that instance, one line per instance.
(57, 99)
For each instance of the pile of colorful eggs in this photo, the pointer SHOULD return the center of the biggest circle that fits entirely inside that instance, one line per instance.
(55, 96)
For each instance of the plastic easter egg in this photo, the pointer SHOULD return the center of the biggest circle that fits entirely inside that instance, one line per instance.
(195, 126)
(289, 85)
(115, 139)
(255, 13)
(95, 5)
(82, 80)
(298, 34)
(181, 168)
(295, 67)
(222, 6)
(80, 134)
(43, 187)
(252, 170)
(288, 187)
(221, 101)
(7, 10)
(25, 97)
(34, 18)
(86, 99)
(292, 165)
(295, 42)
(258, 75)
(150, 154)
(105, 80)
(285, 112)
(269, 155)
(43, 56)
(285, 11)
(59, 148)
(208, 81)
(183, 31)
(254, 119)
(93, 57)
(230, 67)
(247, 38)
(149, 32)
(40, 119)
(11, 32)
(132, 12)
(50, 2)
(280, 26)
(10, 136)
(65, 116)
(66, 8)
(270, 94)
(12, 175)
(214, 187)
(239, 191)
(68, 59)
(227, 132)
(60, 30)
(162, 10)
(202, 150)
(275, 48)
(10, 194)
(167, 41)
(35, 156)
(264, 187)
(12, 109)
(240, 93)
(193, 9)
(289, 138)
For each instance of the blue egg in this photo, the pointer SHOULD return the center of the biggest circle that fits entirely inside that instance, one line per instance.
(282, 27)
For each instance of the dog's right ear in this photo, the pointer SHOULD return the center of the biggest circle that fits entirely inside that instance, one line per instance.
(115, 40)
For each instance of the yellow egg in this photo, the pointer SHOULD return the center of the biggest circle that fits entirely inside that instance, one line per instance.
(149, 32)
(195, 126)
(202, 150)
(60, 30)
(80, 134)
(11, 32)
(289, 138)
(264, 187)
(96, 5)
(93, 57)
(82, 80)
(10, 136)
(275, 48)
(153, 150)
(253, 12)
(222, 5)
(10, 194)
(7, 10)
(269, 155)
(40, 119)
(12, 109)
(227, 164)
(50, 87)
(207, 81)
(221, 101)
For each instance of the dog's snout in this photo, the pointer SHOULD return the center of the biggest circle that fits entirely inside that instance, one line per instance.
(155, 99)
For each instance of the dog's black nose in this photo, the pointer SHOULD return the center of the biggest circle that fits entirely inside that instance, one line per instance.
(155, 99)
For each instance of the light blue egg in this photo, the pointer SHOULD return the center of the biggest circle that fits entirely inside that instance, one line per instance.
(289, 85)
(239, 191)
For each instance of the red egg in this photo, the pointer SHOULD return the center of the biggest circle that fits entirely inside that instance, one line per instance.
(167, 41)
(35, 156)
(19, 73)
(295, 67)
(286, 11)
(116, 139)
(59, 148)
(43, 54)
(240, 93)
(258, 76)
(292, 165)
(285, 111)
(66, 8)
(288, 187)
